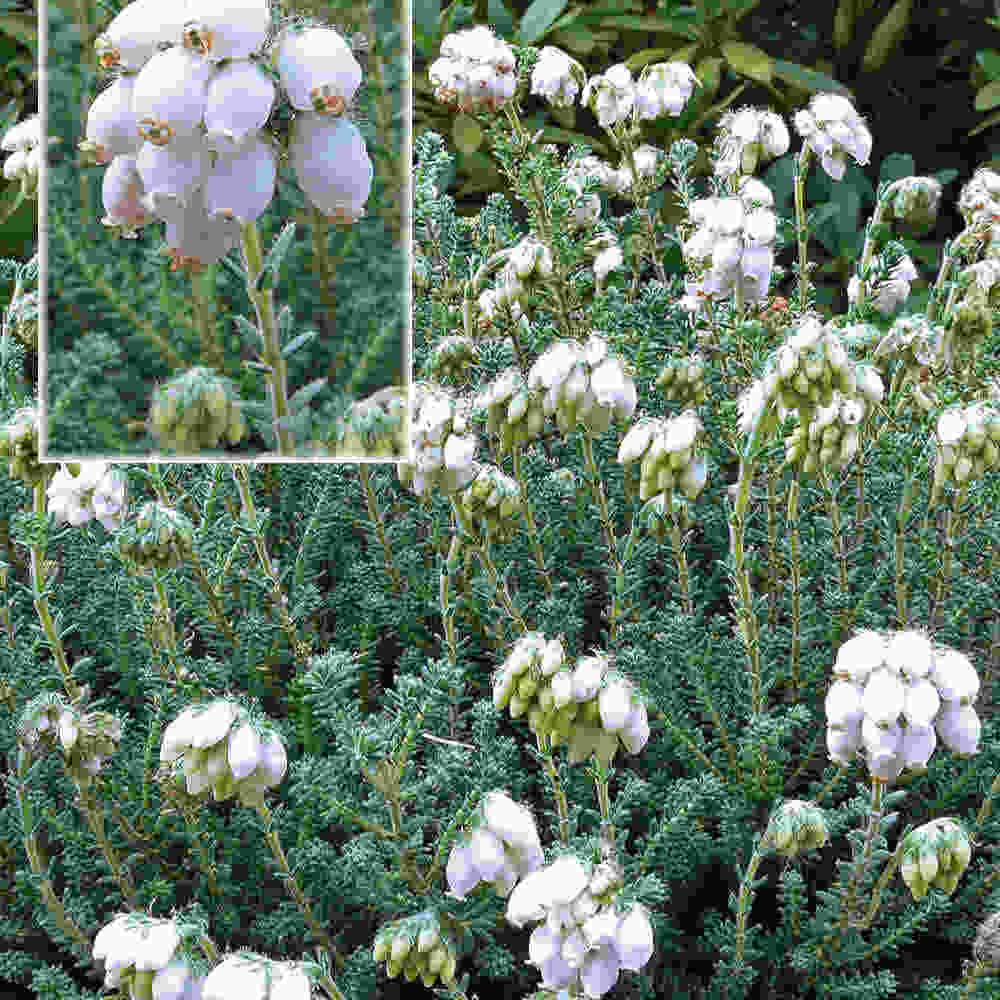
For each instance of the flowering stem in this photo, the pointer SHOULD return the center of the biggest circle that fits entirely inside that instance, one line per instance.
(746, 618)
(95, 820)
(904, 511)
(562, 807)
(499, 586)
(866, 256)
(772, 552)
(321, 254)
(847, 914)
(280, 601)
(163, 623)
(267, 326)
(204, 861)
(295, 891)
(745, 898)
(792, 522)
(839, 552)
(34, 851)
(800, 219)
(447, 608)
(364, 471)
(213, 598)
(944, 577)
(42, 605)
(597, 485)
(680, 556)
(536, 543)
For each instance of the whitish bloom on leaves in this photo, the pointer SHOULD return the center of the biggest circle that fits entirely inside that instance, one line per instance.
(610, 95)
(557, 77)
(226, 29)
(892, 292)
(749, 138)
(237, 103)
(332, 165)
(96, 491)
(317, 69)
(244, 975)
(664, 88)
(833, 129)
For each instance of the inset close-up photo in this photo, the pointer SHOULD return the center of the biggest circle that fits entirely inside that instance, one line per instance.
(226, 218)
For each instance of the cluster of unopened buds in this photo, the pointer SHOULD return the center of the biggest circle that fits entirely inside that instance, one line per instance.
(86, 739)
(733, 242)
(526, 264)
(796, 826)
(831, 439)
(79, 492)
(591, 708)
(159, 538)
(914, 201)
(492, 504)
(195, 410)
(225, 751)
(375, 427)
(897, 694)
(24, 143)
(513, 410)
(968, 445)
(583, 383)
(500, 846)
(935, 854)
(442, 447)
(682, 380)
(451, 358)
(582, 942)
(475, 70)
(668, 451)
(182, 126)
(417, 945)
(19, 444)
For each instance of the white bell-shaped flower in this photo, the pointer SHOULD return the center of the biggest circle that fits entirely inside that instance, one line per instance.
(511, 822)
(176, 981)
(917, 745)
(843, 704)
(226, 29)
(241, 184)
(634, 939)
(842, 744)
(171, 174)
(530, 899)
(922, 702)
(243, 751)
(910, 653)
(599, 972)
(959, 727)
(132, 38)
(615, 704)
(487, 852)
(194, 239)
(461, 871)
(884, 697)
(567, 879)
(112, 125)
(955, 677)
(169, 95)
(544, 944)
(317, 69)
(155, 946)
(635, 734)
(860, 655)
(238, 101)
(332, 165)
(587, 677)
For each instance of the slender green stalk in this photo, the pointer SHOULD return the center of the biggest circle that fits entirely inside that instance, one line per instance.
(905, 503)
(773, 569)
(267, 326)
(536, 543)
(944, 577)
(163, 622)
(205, 585)
(747, 627)
(597, 486)
(562, 808)
(680, 557)
(745, 899)
(294, 889)
(839, 551)
(324, 266)
(800, 220)
(95, 820)
(792, 523)
(499, 586)
(364, 472)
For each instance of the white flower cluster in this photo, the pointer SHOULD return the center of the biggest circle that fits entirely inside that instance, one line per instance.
(735, 241)
(968, 444)
(417, 946)
(669, 452)
(749, 138)
(513, 410)
(442, 448)
(142, 958)
(582, 382)
(831, 128)
(492, 503)
(95, 490)
(224, 751)
(935, 854)
(501, 847)
(831, 439)
(24, 142)
(663, 88)
(557, 77)
(682, 380)
(182, 127)
(896, 694)
(583, 943)
(804, 373)
(588, 709)
(619, 182)
(254, 977)
(475, 70)
(979, 199)
(890, 293)
(914, 339)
